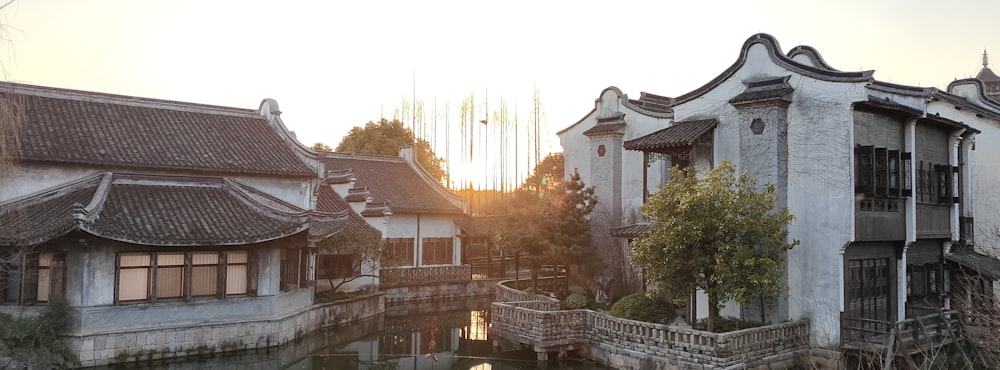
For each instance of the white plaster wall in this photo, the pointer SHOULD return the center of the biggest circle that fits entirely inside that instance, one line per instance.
(431, 226)
(985, 168)
(820, 184)
(294, 191)
(578, 151)
(31, 178)
(986, 188)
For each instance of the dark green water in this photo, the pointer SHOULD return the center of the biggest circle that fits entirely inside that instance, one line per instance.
(400, 339)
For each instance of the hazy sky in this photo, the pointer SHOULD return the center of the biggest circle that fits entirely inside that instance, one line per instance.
(337, 64)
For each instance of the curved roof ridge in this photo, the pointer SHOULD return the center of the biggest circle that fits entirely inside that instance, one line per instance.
(93, 96)
(346, 155)
(667, 112)
(775, 54)
(813, 55)
(981, 87)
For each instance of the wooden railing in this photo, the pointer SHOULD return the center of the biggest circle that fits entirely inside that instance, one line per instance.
(492, 267)
(910, 335)
(536, 320)
(423, 275)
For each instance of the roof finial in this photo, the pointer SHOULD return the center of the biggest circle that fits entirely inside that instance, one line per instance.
(986, 60)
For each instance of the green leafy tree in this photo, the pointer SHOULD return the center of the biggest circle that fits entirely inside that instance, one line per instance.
(320, 147)
(547, 175)
(363, 248)
(719, 233)
(385, 138)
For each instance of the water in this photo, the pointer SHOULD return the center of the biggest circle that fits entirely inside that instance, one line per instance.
(400, 339)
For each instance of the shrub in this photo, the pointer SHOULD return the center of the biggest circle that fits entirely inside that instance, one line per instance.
(640, 307)
(576, 301)
(37, 340)
(532, 290)
(727, 324)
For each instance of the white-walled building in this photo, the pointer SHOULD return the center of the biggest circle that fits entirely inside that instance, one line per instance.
(876, 174)
(158, 219)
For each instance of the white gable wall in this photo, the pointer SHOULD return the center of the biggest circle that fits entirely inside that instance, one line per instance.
(819, 179)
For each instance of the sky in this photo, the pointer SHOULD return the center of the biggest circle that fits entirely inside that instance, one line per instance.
(334, 65)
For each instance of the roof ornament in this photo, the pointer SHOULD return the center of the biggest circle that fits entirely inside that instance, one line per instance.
(986, 60)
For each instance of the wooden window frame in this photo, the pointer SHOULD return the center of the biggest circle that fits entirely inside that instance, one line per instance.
(221, 273)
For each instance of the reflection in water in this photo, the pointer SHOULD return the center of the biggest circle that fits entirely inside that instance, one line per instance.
(401, 339)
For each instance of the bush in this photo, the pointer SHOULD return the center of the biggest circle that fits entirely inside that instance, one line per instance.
(576, 301)
(532, 290)
(727, 324)
(642, 308)
(38, 340)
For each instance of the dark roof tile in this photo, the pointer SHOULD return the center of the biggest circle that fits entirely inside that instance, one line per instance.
(604, 128)
(76, 127)
(328, 201)
(679, 134)
(629, 231)
(979, 262)
(394, 181)
(160, 210)
(479, 226)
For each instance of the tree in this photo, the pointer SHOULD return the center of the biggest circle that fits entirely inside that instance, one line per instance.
(523, 230)
(385, 138)
(552, 225)
(569, 233)
(719, 233)
(361, 249)
(320, 147)
(548, 174)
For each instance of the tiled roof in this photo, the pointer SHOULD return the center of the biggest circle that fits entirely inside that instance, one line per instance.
(479, 226)
(604, 128)
(86, 128)
(987, 75)
(46, 216)
(328, 201)
(392, 180)
(677, 135)
(762, 94)
(159, 210)
(981, 263)
(653, 102)
(630, 231)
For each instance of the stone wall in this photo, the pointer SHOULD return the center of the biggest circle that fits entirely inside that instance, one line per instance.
(153, 344)
(398, 293)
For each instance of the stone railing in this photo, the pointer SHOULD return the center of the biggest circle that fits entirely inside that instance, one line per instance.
(721, 350)
(423, 275)
(537, 321)
(505, 293)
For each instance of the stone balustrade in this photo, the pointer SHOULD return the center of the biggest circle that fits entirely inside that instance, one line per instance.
(423, 275)
(537, 321)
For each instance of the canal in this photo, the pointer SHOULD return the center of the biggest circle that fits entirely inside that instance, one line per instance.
(430, 335)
